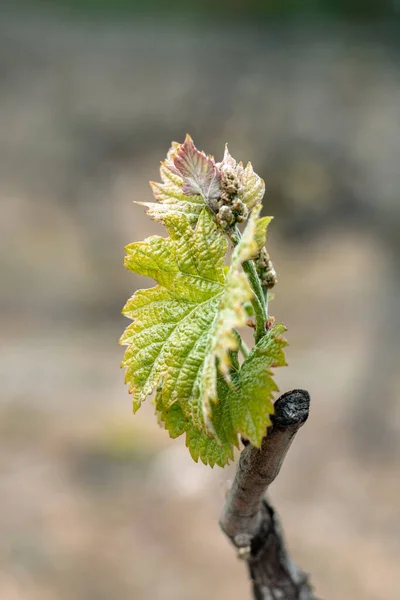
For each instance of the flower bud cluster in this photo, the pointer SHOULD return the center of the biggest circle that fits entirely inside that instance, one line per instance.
(228, 207)
(265, 269)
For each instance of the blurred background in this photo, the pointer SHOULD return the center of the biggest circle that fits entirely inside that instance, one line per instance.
(96, 504)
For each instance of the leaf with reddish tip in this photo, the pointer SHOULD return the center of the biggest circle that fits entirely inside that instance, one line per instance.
(228, 160)
(198, 171)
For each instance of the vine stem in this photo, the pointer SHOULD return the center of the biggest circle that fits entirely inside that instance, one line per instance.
(258, 300)
(250, 522)
(258, 305)
(266, 300)
(243, 347)
(241, 344)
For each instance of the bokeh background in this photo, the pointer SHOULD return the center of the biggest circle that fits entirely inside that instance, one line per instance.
(96, 504)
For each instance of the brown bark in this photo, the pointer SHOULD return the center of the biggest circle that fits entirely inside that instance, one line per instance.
(251, 523)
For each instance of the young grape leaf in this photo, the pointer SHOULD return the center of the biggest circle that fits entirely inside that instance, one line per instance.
(183, 342)
(243, 409)
(182, 327)
(201, 444)
(198, 171)
(232, 312)
(191, 180)
(250, 401)
(171, 198)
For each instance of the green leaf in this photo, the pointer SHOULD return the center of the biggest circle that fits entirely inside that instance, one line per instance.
(174, 420)
(183, 326)
(183, 341)
(232, 312)
(201, 445)
(208, 449)
(253, 187)
(254, 236)
(250, 402)
(244, 409)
